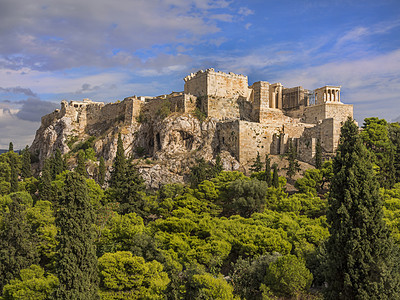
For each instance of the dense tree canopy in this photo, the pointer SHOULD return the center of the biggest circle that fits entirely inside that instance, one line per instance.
(223, 236)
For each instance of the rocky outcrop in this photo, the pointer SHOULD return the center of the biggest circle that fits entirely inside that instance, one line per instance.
(164, 148)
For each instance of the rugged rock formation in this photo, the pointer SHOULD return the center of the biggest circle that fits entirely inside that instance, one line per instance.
(164, 157)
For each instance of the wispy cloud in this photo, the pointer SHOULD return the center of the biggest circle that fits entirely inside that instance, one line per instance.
(245, 11)
(18, 90)
(360, 32)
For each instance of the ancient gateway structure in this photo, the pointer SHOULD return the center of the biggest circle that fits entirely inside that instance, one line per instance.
(260, 118)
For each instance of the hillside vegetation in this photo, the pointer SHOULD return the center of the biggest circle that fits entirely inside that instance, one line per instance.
(222, 236)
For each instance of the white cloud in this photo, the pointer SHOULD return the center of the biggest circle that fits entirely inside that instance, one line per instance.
(245, 11)
(48, 35)
(360, 32)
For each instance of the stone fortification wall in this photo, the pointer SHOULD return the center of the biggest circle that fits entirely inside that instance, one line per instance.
(255, 137)
(189, 102)
(224, 108)
(228, 137)
(196, 83)
(227, 85)
(338, 111)
(260, 98)
(219, 94)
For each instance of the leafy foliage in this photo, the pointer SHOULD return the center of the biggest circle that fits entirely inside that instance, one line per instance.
(33, 284)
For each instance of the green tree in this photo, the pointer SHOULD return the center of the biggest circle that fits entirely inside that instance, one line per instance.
(26, 170)
(257, 165)
(268, 176)
(217, 168)
(10, 147)
(130, 192)
(32, 285)
(17, 246)
(294, 166)
(45, 182)
(81, 168)
(200, 172)
(247, 196)
(362, 261)
(124, 276)
(207, 287)
(275, 177)
(376, 138)
(394, 135)
(76, 262)
(318, 155)
(288, 276)
(102, 172)
(57, 164)
(119, 165)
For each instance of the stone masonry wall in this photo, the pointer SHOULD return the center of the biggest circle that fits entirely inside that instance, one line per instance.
(228, 137)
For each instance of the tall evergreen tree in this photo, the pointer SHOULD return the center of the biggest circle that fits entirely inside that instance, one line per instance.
(45, 182)
(199, 172)
(26, 170)
(57, 164)
(10, 147)
(318, 155)
(257, 165)
(361, 261)
(394, 135)
(275, 177)
(268, 177)
(81, 168)
(294, 166)
(14, 172)
(119, 165)
(17, 246)
(130, 191)
(375, 136)
(102, 172)
(217, 168)
(76, 262)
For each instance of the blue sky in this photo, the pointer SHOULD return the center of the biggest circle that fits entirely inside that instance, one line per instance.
(108, 50)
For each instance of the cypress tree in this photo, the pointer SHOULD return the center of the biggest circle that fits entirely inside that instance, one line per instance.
(26, 170)
(217, 168)
(45, 182)
(257, 165)
(119, 165)
(76, 262)
(102, 172)
(275, 177)
(268, 177)
(294, 166)
(17, 246)
(361, 262)
(81, 168)
(130, 191)
(10, 147)
(14, 172)
(57, 164)
(318, 155)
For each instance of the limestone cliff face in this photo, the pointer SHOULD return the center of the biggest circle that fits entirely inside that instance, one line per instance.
(164, 148)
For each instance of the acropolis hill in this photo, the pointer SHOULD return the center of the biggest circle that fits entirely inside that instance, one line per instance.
(240, 120)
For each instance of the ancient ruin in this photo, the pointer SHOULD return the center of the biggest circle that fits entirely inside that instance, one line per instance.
(216, 113)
